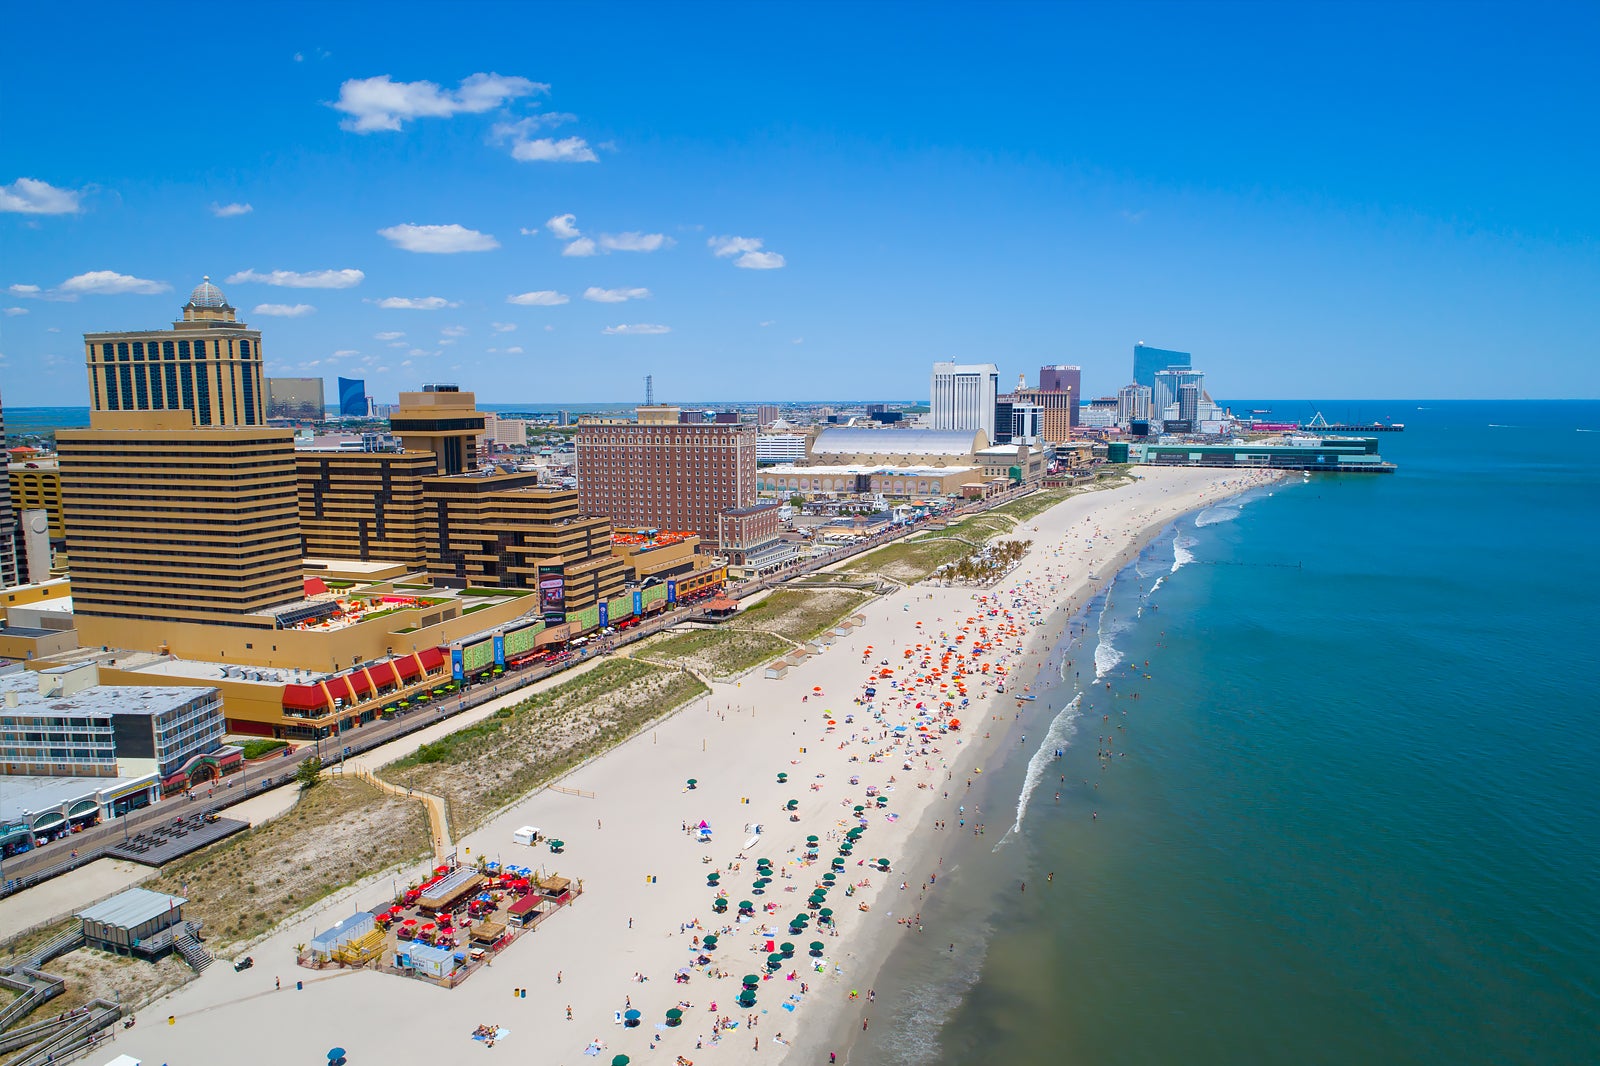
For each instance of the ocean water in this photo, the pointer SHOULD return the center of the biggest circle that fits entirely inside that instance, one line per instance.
(1330, 790)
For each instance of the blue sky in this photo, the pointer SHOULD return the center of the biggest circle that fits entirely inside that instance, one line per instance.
(1336, 201)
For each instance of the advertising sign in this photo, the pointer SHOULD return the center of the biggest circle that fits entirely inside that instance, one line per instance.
(499, 649)
(552, 593)
(638, 603)
(458, 668)
(605, 615)
(672, 591)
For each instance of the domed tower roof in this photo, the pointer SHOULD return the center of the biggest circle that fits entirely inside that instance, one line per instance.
(206, 294)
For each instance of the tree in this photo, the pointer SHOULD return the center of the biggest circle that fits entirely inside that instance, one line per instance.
(310, 773)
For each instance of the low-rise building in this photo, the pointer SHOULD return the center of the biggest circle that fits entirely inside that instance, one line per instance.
(751, 538)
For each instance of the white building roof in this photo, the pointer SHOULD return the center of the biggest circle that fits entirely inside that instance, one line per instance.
(132, 908)
(895, 441)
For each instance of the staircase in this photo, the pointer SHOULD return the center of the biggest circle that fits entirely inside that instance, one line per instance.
(196, 956)
(59, 946)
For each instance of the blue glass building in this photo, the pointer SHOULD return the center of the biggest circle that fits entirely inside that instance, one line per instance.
(353, 397)
(1147, 360)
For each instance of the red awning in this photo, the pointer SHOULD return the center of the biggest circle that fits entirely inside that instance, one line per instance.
(303, 698)
(407, 667)
(384, 674)
(358, 681)
(432, 658)
(339, 688)
(313, 586)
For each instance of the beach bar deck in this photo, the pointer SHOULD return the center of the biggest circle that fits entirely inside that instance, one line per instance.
(451, 889)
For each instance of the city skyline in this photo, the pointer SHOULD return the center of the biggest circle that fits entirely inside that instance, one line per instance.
(547, 222)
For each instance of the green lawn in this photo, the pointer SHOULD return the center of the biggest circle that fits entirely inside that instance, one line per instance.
(255, 749)
(722, 652)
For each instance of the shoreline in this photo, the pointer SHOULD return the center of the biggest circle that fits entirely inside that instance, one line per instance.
(642, 873)
(840, 1034)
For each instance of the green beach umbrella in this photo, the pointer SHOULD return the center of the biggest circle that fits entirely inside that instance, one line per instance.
(816, 947)
(747, 999)
(859, 809)
(812, 839)
(674, 1016)
(693, 782)
(826, 914)
(709, 941)
(751, 980)
(786, 948)
(746, 905)
(620, 1060)
(792, 804)
(782, 778)
(829, 877)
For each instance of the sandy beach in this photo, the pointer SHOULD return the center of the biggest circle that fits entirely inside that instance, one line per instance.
(646, 900)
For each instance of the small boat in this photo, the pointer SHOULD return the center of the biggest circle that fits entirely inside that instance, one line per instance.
(1029, 698)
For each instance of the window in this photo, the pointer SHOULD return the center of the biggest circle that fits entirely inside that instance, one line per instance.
(183, 349)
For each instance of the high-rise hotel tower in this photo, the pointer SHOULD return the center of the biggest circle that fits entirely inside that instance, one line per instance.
(180, 503)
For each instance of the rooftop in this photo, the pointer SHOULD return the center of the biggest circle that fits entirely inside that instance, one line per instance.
(98, 700)
(865, 468)
(33, 794)
(895, 441)
(132, 908)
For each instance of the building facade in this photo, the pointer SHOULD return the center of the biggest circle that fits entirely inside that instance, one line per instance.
(353, 401)
(1068, 379)
(297, 399)
(505, 531)
(1168, 384)
(1147, 361)
(209, 364)
(363, 505)
(659, 472)
(63, 723)
(1058, 412)
(1133, 401)
(752, 538)
(963, 396)
(8, 524)
(443, 420)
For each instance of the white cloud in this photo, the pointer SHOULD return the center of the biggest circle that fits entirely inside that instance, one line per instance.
(526, 148)
(440, 239)
(539, 298)
(399, 344)
(52, 329)
(230, 210)
(565, 227)
(96, 283)
(722, 247)
(798, 340)
(513, 350)
(417, 303)
(344, 353)
(583, 246)
(382, 103)
(110, 283)
(30, 196)
(634, 242)
(527, 232)
(311, 279)
(614, 296)
(454, 331)
(642, 328)
(503, 327)
(760, 261)
(389, 335)
(748, 249)
(284, 310)
(12, 312)
(769, 322)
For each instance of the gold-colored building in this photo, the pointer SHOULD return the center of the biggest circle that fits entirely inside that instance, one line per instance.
(443, 420)
(1055, 419)
(209, 363)
(169, 522)
(363, 505)
(36, 485)
(505, 531)
(179, 503)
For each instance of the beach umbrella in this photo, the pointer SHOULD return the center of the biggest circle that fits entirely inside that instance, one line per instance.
(816, 947)
(693, 782)
(826, 914)
(830, 877)
(782, 778)
(751, 980)
(719, 904)
(713, 877)
(838, 864)
(792, 804)
(631, 1018)
(747, 999)
(799, 919)
(674, 1016)
(746, 905)
(774, 960)
(812, 839)
(859, 808)
(786, 949)
(845, 848)
(710, 940)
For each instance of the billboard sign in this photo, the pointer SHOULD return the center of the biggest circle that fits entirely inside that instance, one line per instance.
(552, 593)
(638, 603)
(458, 668)
(605, 614)
(499, 649)
(672, 591)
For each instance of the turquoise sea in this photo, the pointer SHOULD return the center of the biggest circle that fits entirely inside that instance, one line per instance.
(1331, 791)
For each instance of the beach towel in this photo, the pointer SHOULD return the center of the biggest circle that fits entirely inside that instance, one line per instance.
(789, 1007)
